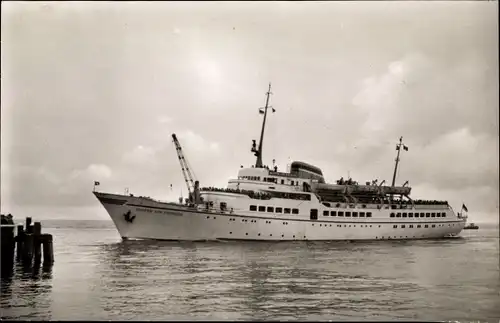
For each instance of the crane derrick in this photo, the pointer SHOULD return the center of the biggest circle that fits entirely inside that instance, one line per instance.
(191, 182)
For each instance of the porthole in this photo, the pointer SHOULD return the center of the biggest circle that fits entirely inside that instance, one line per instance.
(282, 235)
(246, 233)
(259, 234)
(230, 232)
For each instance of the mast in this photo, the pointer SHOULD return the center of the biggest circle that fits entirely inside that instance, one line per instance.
(398, 148)
(258, 152)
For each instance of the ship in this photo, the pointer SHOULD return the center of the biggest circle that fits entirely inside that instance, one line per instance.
(471, 226)
(265, 204)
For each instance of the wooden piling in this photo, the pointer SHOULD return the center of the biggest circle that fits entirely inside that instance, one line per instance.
(20, 242)
(29, 228)
(30, 244)
(7, 246)
(48, 250)
(28, 248)
(37, 243)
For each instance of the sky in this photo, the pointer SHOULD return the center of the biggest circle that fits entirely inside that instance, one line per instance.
(93, 91)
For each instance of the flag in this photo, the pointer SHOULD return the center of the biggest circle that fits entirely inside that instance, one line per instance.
(405, 148)
(274, 110)
(465, 208)
(97, 183)
(261, 111)
(397, 147)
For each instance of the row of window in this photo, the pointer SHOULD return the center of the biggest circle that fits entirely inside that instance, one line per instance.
(273, 180)
(272, 209)
(293, 196)
(348, 214)
(250, 178)
(377, 238)
(410, 215)
(411, 226)
(231, 232)
(268, 179)
(395, 226)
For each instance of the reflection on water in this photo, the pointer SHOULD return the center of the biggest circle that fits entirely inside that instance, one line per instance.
(234, 280)
(30, 287)
(97, 278)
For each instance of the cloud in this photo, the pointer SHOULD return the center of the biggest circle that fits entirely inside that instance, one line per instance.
(149, 170)
(481, 202)
(457, 159)
(92, 173)
(195, 142)
(380, 96)
(140, 155)
(164, 120)
(48, 188)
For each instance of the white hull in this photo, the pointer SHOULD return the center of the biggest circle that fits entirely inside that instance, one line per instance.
(170, 221)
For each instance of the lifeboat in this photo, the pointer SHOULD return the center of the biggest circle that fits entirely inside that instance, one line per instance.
(339, 189)
(366, 189)
(360, 189)
(400, 190)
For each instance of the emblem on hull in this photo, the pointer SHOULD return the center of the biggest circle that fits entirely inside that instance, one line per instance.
(129, 217)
